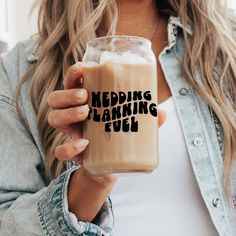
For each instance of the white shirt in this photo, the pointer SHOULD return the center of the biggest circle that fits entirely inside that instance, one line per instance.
(167, 201)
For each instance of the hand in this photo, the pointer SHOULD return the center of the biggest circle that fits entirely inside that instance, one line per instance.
(86, 193)
(69, 108)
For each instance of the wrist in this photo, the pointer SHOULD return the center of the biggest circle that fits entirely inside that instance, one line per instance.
(87, 193)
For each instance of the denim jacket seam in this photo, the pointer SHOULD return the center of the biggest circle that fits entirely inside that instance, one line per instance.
(218, 130)
(41, 220)
(60, 198)
(8, 101)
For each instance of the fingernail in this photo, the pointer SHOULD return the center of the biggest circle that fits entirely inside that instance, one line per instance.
(80, 94)
(81, 144)
(82, 109)
(76, 66)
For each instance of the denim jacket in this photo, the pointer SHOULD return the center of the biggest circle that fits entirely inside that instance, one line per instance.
(28, 206)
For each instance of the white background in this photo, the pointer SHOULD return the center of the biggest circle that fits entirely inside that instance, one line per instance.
(20, 27)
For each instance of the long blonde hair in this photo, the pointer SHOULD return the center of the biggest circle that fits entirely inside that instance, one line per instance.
(66, 25)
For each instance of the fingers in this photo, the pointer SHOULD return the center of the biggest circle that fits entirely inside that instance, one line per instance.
(64, 118)
(73, 78)
(71, 150)
(161, 117)
(67, 98)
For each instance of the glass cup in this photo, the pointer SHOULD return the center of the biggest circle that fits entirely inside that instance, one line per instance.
(120, 74)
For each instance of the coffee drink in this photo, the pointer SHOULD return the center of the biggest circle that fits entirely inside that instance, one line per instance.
(122, 122)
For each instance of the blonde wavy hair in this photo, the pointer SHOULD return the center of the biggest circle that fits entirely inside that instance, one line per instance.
(66, 25)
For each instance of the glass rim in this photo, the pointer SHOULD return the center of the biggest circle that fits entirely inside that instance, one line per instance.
(138, 38)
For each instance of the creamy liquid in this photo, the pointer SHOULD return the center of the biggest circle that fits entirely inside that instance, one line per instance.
(129, 150)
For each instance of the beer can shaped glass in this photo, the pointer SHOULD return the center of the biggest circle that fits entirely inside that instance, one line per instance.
(120, 74)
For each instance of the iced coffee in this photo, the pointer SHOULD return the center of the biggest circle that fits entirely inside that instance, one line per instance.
(122, 123)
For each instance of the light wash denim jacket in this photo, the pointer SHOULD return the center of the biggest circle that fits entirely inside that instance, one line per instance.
(29, 207)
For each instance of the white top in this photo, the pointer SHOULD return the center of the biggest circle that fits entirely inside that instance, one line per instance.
(167, 201)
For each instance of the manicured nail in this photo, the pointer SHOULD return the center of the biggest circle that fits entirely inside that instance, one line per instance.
(83, 109)
(81, 144)
(80, 94)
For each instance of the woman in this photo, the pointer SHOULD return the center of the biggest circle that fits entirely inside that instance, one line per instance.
(42, 193)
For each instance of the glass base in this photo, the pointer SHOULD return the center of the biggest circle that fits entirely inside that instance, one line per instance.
(120, 172)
